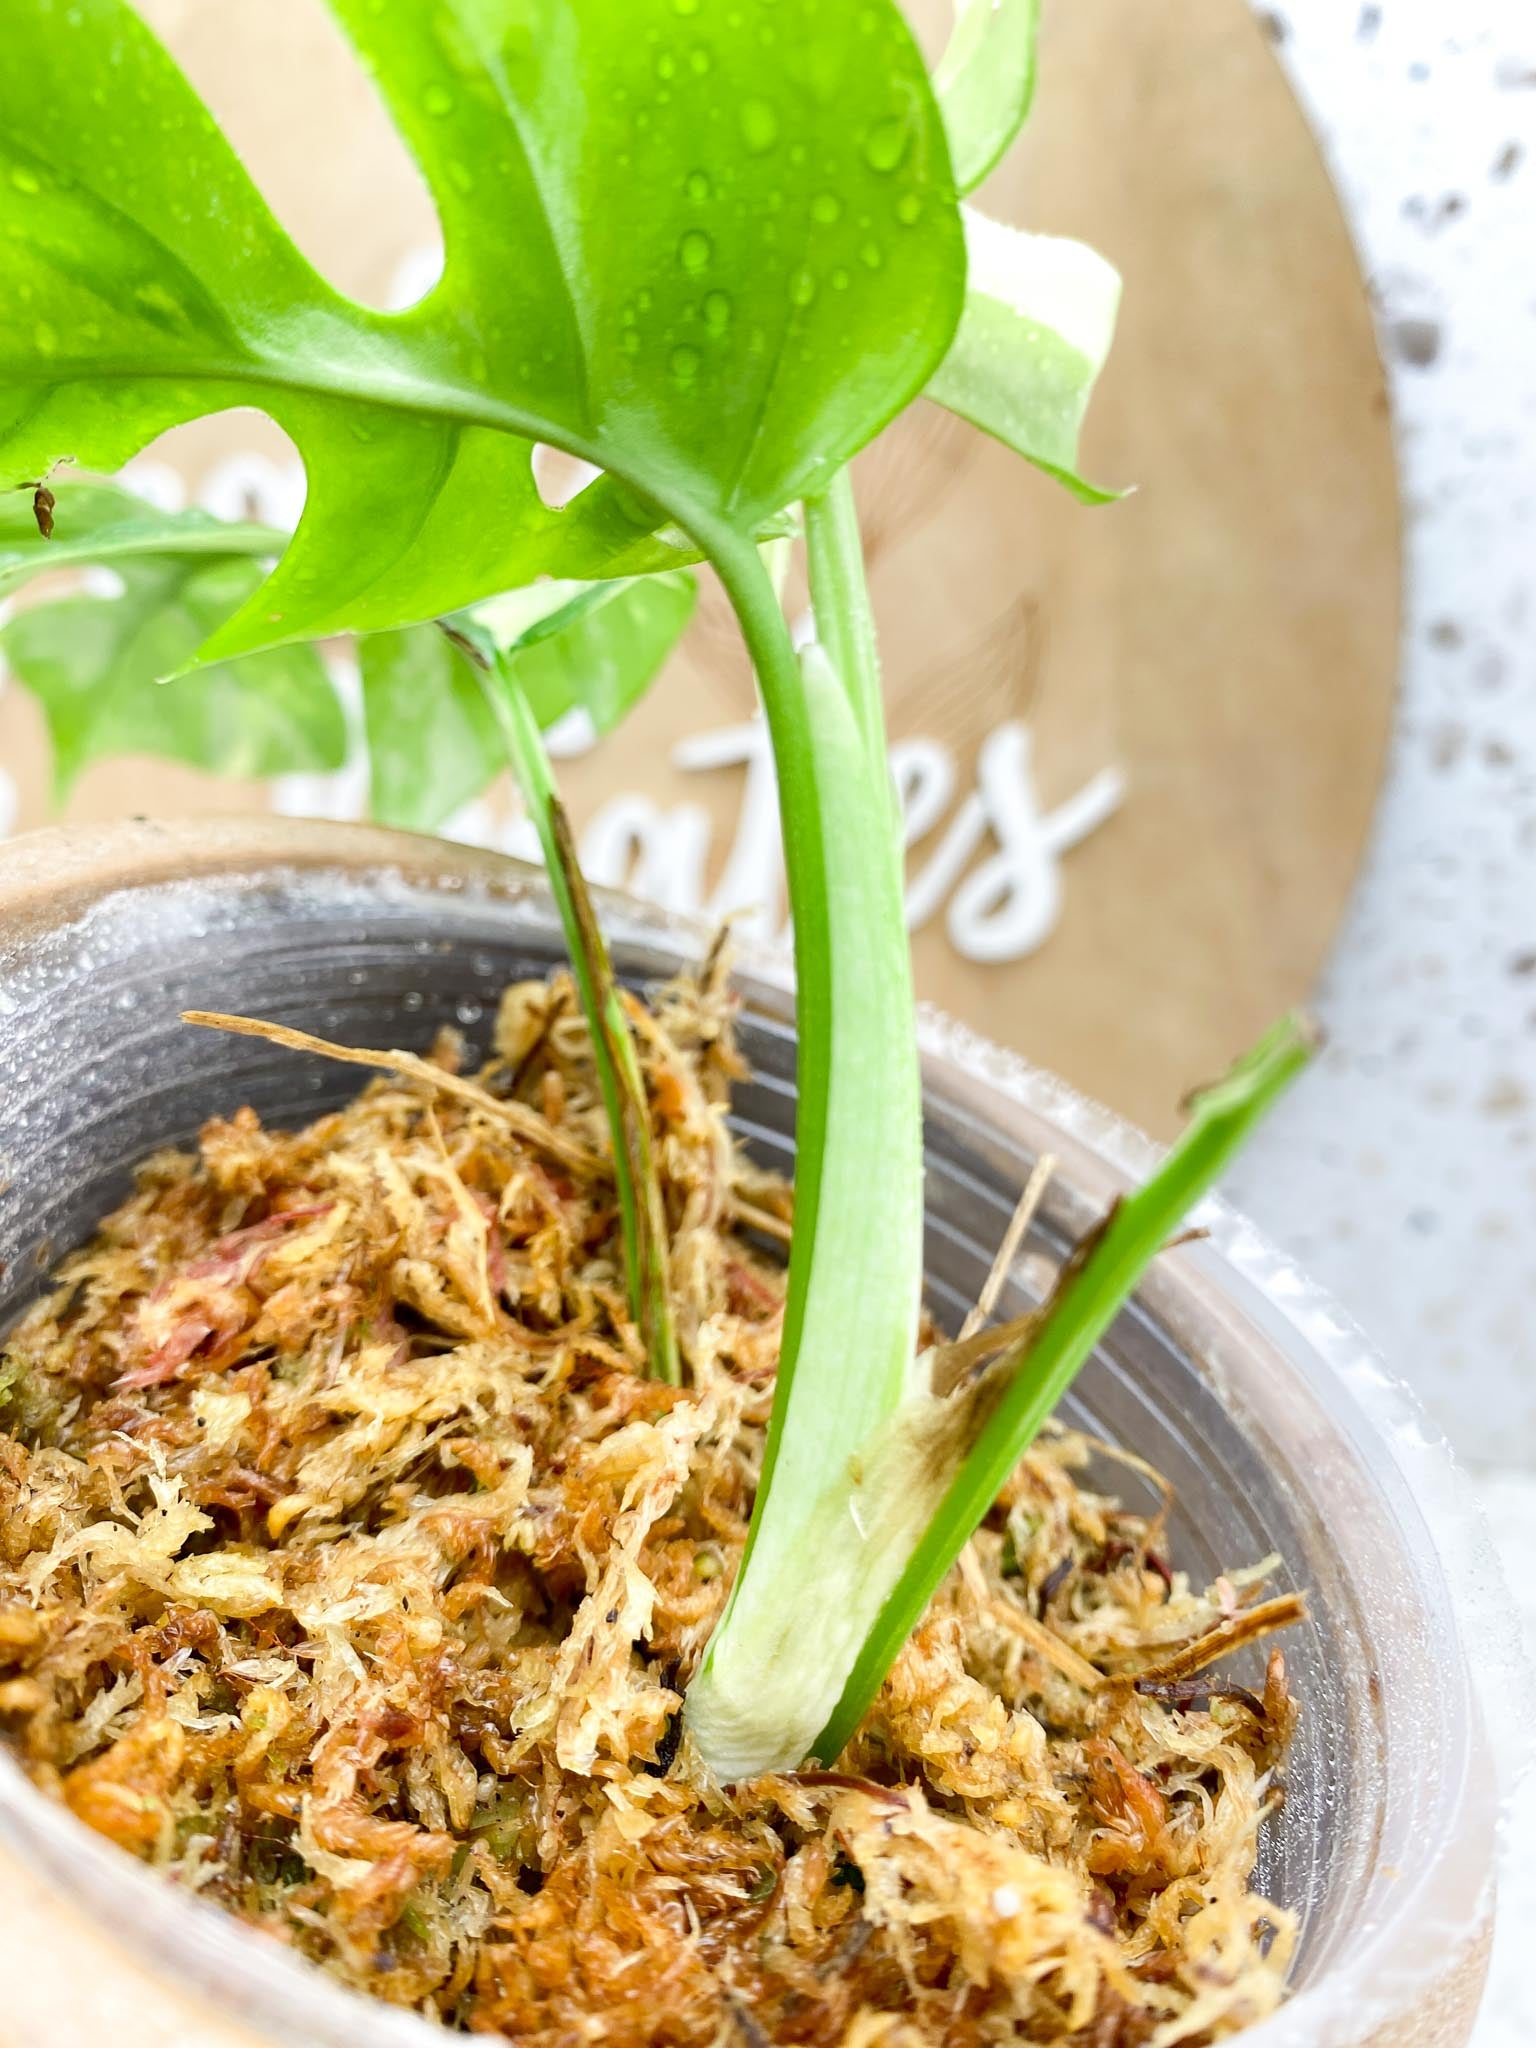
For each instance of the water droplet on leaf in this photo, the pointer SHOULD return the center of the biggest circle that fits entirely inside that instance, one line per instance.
(24, 181)
(698, 186)
(685, 365)
(438, 101)
(686, 6)
(909, 209)
(759, 126)
(802, 288)
(717, 312)
(826, 207)
(886, 144)
(871, 255)
(694, 251)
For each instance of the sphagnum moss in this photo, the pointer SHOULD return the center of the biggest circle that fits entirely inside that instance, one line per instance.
(353, 1572)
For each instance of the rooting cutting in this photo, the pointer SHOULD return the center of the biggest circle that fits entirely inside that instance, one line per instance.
(712, 251)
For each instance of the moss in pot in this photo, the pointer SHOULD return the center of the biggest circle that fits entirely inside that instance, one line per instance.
(783, 266)
(1228, 1375)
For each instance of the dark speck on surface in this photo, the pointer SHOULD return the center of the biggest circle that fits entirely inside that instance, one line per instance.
(1509, 159)
(1416, 342)
(1275, 26)
(1432, 214)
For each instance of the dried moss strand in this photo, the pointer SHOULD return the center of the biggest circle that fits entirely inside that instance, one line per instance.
(534, 1130)
(1025, 1211)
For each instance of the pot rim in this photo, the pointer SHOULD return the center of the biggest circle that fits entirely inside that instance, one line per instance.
(1235, 1288)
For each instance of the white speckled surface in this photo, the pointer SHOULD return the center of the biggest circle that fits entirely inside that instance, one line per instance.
(1403, 1173)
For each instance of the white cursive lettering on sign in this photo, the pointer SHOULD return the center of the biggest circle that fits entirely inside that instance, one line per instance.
(995, 871)
(1010, 903)
(1003, 908)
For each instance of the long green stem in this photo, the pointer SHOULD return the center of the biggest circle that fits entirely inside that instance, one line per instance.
(845, 620)
(642, 1214)
(874, 1474)
(781, 1655)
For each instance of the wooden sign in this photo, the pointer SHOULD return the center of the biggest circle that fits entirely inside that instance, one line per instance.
(1138, 746)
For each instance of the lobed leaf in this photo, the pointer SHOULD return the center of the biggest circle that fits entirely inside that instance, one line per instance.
(711, 251)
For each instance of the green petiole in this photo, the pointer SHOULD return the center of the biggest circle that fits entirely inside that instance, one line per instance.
(874, 1478)
(780, 1656)
(642, 1212)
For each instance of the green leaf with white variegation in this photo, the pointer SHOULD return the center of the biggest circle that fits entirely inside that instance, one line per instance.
(1039, 318)
(985, 81)
(94, 665)
(712, 255)
(593, 647)
(433, 742)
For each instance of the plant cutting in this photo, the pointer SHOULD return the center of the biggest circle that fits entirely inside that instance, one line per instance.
(712, 251)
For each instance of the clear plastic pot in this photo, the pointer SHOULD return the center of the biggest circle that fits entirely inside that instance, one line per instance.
(1231, 1374)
